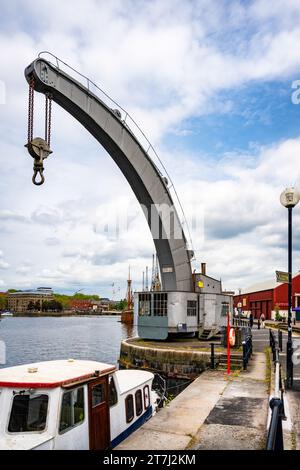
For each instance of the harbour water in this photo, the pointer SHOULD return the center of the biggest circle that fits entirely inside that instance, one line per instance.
(32, 339)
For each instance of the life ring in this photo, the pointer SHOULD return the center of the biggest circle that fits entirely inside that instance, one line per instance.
(232, 336)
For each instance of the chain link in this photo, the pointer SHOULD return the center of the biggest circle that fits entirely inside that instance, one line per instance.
(49, 119)
(48, 110)
(46, 117)
(30, 110)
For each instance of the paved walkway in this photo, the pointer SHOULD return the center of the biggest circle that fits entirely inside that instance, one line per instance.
(215, 412)
(239, 419)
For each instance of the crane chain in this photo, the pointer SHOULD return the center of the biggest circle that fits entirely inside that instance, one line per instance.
(37, 147)
(30, 110)
(48, 116)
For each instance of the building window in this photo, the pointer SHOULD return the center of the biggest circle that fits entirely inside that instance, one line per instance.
(113, 395)
(129, 408)
(138, 402)
(72, 409)
(28, 413)
(144, 304)
(160, 304)
(191, 308)
(146, 397)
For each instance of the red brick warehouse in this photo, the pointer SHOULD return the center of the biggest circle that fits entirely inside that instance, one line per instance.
(268, 297)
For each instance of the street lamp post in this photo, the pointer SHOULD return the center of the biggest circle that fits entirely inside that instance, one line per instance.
(289, 199)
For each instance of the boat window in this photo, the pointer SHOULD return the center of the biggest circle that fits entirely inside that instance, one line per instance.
(191, 308)
(144, 304)
(146, 397)
(160, 302)
(28, 413)
(138, 402)
(129, 408)
(113, 395)
(98, 394)
(72, 409)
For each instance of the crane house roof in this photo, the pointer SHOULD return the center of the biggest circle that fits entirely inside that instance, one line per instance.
(51, 374)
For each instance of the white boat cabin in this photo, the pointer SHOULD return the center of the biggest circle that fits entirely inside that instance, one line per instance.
(72, 405)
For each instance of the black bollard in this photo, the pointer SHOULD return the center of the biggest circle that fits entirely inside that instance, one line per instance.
(212, 355)
(280, 340)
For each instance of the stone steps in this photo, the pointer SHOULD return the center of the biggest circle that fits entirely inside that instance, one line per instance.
(236, 362)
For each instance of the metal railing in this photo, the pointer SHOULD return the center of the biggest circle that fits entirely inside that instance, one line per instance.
(133, 127)
(247, 350)
(237, 321)
(275, 434)
(212, 355)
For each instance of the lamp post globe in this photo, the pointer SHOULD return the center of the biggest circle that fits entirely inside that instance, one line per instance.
(289, 197)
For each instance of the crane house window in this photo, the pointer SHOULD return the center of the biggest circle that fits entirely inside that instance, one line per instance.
(146, 397)
(138, 402)
(144, 304)
(160, 300)
(191, 308)
(129, 408)
(72, 409)
(28, 413)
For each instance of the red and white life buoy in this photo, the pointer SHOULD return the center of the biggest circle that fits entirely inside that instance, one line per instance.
(232, 336)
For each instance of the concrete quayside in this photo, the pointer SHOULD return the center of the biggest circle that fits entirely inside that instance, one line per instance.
(179, 359)
(216, 411)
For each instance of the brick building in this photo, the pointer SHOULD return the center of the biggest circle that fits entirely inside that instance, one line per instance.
(81, 305)
(90, 305)
(268, 297)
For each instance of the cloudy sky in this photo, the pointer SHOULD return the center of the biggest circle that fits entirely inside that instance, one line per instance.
(210, 83)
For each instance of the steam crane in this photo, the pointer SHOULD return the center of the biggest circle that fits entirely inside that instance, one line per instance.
(186, 303)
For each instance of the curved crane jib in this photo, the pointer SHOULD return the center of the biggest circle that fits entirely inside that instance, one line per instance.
(106, 125)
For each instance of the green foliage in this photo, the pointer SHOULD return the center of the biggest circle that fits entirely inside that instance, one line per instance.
(122, 305)
(170, 397)
(278, 317)
(80, 296)
(65, 300)
(52, 306)
(3, 302)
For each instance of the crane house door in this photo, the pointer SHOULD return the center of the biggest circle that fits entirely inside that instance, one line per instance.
(99, 427)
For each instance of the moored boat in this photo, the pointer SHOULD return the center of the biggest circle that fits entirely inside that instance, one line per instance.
(72, 405)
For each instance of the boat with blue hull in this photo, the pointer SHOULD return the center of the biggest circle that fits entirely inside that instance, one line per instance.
(72, 405)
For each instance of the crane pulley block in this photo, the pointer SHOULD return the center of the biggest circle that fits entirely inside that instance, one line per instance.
(38, 147)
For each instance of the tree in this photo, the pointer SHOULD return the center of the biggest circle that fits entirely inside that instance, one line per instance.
(30, 306)
(121, 305)
(55, 306)
(3, 302)
(45, 305)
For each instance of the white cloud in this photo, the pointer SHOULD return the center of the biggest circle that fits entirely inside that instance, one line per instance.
(25, 270)
(3, 264)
